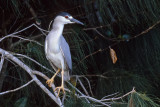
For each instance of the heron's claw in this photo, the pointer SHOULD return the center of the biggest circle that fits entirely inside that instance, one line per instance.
(60, 88)
(50, 81)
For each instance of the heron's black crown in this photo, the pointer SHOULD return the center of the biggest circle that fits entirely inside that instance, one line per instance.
(64, 14)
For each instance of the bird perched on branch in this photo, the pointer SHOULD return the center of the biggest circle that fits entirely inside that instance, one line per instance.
(57, 49)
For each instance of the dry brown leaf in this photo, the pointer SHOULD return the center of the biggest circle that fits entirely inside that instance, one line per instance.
(113, 55)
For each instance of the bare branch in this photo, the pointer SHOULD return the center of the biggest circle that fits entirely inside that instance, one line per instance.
(40, 74)
(42, 30)
(110, 95)
(22, 41)
(94, 75)
(111, 39)
(53, 86)
(17, 36)
(95, 100)
(50, 25)
(29, 71)
(9, 91)
(103, 101)
(33, 61)
(1, 63)
(77, 91)
(64, 96)
(89, 86)
(147, 30)
(75, 88)
(46, 78)
(82, 86)
(89, 55)
(112, 99)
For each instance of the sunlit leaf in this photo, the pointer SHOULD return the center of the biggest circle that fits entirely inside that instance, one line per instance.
(113, 56)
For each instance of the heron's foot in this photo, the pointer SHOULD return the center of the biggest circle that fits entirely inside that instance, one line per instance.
(50, 81)
(60, 88)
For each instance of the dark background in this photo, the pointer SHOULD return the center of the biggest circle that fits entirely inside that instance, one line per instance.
(130, 27)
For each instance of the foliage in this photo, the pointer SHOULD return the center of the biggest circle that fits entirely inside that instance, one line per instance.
(21, 102)
(138, 58)
(140, 100)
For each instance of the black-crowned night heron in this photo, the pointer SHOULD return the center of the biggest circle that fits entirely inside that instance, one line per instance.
(57, 49)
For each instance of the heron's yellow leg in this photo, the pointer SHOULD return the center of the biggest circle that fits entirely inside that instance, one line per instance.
(50, 81)
(62, 85)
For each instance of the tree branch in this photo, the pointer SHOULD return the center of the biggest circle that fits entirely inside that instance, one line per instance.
(95, 100)
(17, 36)
(33, 61)
(23, 41)
(9, 91)
(105, 102)
(29, 71)
(112, 99)
(83, 86)
(1, 63)
(42, 30)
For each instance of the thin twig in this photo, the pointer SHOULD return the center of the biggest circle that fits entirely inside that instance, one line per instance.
(110, 95)
(16, 89)
(42, 30)
(111, 39)
(17, 36)
(22, 41)
(146, 31)
(64, 96)
(1, 63)
(94, 75)
(95, 100)
(77, 91)
(89, 85)
(49, 27)
(97, 27)
(12, 62)
(33, 61)
(112, 99)
(82, 86)
(75, 88)
(89, 55)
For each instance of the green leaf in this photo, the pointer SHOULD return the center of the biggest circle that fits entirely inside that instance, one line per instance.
(108, 33)
(21, 102)
(144, 97)
(126, 37)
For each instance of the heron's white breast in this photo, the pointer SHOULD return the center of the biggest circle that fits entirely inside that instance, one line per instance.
(56, 59)
(52, 46)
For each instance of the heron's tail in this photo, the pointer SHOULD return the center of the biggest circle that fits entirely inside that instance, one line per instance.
(66, 76)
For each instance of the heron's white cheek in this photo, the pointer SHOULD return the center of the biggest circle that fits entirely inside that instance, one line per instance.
(67, 21)
(72, 22)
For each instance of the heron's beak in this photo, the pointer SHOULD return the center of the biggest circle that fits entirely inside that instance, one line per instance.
(76, 21)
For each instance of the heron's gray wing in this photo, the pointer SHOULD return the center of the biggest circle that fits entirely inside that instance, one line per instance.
(66, 52)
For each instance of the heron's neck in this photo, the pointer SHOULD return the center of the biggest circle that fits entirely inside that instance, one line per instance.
(57, 28)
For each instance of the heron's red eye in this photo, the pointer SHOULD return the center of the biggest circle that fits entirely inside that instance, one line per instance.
(66, 17)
